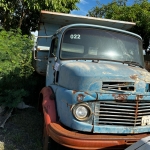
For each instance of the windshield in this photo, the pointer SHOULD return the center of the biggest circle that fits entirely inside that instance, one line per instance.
(96, 44)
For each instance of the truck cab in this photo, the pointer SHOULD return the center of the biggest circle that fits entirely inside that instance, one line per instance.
(97, 92)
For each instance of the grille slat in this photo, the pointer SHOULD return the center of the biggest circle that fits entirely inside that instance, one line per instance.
(119, 110)
(144, 104)
(127, 113)
(120, 106)
(116, 119)
(110, 112)
(116, 123)
(116, 116)
(144, 110)
(144, 114)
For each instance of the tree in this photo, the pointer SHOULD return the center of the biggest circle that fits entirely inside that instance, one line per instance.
(139, 13)
(25, 14)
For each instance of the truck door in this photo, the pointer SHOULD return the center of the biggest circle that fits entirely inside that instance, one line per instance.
(50, 74)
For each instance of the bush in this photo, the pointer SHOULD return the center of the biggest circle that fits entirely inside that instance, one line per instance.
(15, 67)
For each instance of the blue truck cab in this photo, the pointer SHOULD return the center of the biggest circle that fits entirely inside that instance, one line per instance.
(97, 92)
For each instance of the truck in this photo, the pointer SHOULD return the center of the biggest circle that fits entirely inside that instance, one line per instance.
(97, 90)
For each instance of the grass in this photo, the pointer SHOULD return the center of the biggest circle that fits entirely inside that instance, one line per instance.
(22, 131)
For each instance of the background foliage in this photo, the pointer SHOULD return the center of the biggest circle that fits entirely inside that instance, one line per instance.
(139, 13)
(15, 68)
(18, 80)
(25, 14)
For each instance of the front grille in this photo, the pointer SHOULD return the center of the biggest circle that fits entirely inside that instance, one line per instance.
(127, 113)
(118, 86)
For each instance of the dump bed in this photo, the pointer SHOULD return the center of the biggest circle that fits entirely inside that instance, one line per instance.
(50, 22)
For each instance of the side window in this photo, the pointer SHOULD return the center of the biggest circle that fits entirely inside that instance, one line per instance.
(54, 45)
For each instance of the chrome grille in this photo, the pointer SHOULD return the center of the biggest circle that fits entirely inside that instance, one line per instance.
(127, 113)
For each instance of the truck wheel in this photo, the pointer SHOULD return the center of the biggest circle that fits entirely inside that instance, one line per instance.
(52, 145)
(48, 142)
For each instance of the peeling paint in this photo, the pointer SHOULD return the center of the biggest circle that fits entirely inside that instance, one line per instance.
(120, 96)
(86, 93)
(146, 76)
(134, 77)
(139, 97)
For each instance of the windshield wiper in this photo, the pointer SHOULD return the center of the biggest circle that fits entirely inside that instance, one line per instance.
(133, 63)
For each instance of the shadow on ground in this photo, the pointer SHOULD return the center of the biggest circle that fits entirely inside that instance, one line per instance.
(22, 131)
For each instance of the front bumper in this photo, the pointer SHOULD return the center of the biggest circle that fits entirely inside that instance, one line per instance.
(77, 140)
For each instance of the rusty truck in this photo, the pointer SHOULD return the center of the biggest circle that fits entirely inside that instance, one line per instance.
(97, 90)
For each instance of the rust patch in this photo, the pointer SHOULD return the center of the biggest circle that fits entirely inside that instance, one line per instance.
(74, 92)
(70, 107)
(121, 97)
(86, 93)
(136, 112)
(134, 77)
(80, 97)
(139, 97)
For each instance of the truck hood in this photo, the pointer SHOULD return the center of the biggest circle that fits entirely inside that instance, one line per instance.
(90, 76)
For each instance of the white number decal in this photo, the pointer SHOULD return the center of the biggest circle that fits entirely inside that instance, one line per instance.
(71, 36)
(75, 36)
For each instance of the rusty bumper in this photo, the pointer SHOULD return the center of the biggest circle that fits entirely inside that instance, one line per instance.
(90, 141)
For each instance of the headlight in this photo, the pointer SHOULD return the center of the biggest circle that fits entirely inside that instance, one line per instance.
(81, 112)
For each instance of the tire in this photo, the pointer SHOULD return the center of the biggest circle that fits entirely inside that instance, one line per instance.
(52, 145)
(48, 142)
(45, 139)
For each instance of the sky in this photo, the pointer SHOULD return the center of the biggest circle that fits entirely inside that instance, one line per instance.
(86, 5)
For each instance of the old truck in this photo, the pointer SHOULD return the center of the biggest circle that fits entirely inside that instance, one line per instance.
(97, 91)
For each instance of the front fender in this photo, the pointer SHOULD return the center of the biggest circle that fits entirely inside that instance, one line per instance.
(48, 105)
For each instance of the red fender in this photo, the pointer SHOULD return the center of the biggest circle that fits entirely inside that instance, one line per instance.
(48, 104)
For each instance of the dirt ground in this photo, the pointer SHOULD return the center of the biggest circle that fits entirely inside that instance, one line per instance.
(22, 131)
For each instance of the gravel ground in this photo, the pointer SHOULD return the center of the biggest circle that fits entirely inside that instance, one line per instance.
(22, 131)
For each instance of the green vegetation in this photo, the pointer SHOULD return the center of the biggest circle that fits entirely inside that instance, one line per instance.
(15, 68)
(139, 13)
(18, 81)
